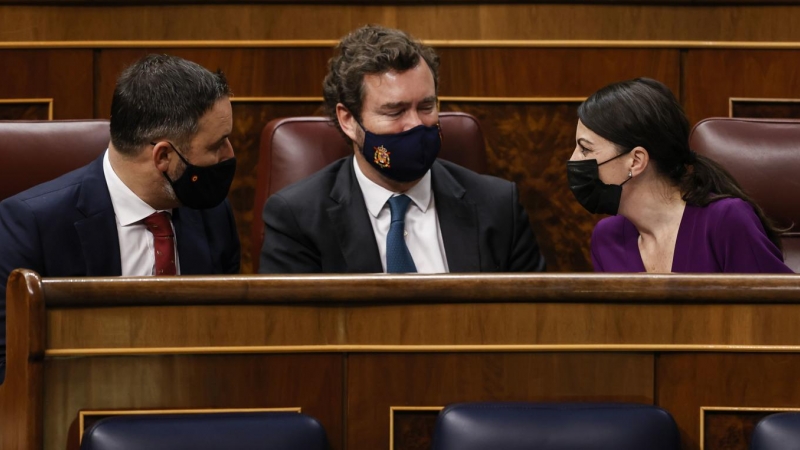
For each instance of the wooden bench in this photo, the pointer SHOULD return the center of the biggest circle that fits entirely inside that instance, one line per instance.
(374, 357)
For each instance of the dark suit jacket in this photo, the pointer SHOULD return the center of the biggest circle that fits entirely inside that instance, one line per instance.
(67, 228)
(321, 224)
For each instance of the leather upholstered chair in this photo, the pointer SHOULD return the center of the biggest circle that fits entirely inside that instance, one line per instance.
(296, 147)
(37, 151)
(230, 431)
(555, 426)
(764, 157)
(777, 432)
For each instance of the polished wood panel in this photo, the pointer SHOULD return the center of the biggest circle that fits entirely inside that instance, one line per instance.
(712, 77)
(467, 310)
(729, 430)
(412, 430)
(421, 289)
(178, 382)
(348, 349)
(378, 382)
(457, 327)
(21, 394)
(549, 72)
(765, 108)
(487, 20)
(142, 327)
(400, 2)
(687, 382)
(25, 109)
(251, 72)
(64, 75)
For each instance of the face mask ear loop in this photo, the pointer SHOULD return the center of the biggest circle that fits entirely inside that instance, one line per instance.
(179, 156)
(630, 177)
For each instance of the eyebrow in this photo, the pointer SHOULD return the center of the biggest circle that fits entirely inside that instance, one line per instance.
(395, 105)
(584, 140)
(219, 141)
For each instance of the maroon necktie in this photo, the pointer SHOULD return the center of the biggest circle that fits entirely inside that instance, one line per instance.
(163, 242)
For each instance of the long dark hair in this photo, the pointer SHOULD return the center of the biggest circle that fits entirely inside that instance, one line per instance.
(643, 112)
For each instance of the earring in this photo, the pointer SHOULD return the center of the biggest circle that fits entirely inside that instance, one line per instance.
(630, 174)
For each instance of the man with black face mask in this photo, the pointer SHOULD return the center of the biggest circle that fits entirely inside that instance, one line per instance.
(153, 203)
(392, 206)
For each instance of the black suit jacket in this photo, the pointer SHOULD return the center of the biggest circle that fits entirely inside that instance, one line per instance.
(67, 228)
(321, 224)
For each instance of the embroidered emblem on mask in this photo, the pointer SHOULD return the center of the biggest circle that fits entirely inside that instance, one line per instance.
(382, 157)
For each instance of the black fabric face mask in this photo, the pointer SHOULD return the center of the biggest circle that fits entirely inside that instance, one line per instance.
(203, 187)
(594, 195)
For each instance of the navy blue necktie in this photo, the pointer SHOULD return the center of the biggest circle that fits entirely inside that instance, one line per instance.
(398, 258)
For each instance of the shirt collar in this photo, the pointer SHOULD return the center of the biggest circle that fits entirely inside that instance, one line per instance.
(128, 207)
(376, 196)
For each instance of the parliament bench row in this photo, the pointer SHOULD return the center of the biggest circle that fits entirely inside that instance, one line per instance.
(375, 358)
(761, 154)
(468, 426)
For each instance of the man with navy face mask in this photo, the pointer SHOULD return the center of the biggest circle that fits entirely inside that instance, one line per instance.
(152, 204)
(392, 206)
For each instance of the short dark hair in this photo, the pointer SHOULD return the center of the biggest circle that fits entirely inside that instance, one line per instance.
(371, 49)
(644, 113)
(162, 96)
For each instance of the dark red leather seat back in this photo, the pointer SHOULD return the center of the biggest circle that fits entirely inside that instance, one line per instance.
(33, 152)
(764, 157)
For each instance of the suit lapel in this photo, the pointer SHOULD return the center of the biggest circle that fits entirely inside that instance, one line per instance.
(194, 253)
(97, 231)
(351, 224)
(459, 221)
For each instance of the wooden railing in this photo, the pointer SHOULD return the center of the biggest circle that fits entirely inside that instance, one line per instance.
(374, 356)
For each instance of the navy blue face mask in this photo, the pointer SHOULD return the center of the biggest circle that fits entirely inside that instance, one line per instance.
(405, 156)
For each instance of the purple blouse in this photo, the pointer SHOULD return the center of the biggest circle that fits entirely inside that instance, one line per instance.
(723, 236)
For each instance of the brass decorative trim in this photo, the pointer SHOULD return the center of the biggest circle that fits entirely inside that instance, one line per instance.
(330, 43)
(703, 410)
(47, 101)
(732, 100)
(275, 99)
(137, 412)
(392, 409)
(352, 348)
(514, 99)
(441, 99)
(279, 43)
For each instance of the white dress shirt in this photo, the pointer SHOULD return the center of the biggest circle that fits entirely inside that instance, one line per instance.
(422, 232)
(135, 242)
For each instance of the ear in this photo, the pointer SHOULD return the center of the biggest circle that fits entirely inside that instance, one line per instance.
(161, 156)
(348, 122)
(640, 159)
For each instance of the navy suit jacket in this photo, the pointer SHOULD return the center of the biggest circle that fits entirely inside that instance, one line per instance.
(67, 228)
(321, 224)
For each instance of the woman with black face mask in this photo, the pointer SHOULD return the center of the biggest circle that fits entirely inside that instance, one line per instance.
(674, 210)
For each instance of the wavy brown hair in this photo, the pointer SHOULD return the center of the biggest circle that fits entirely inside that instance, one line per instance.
(371, 49)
